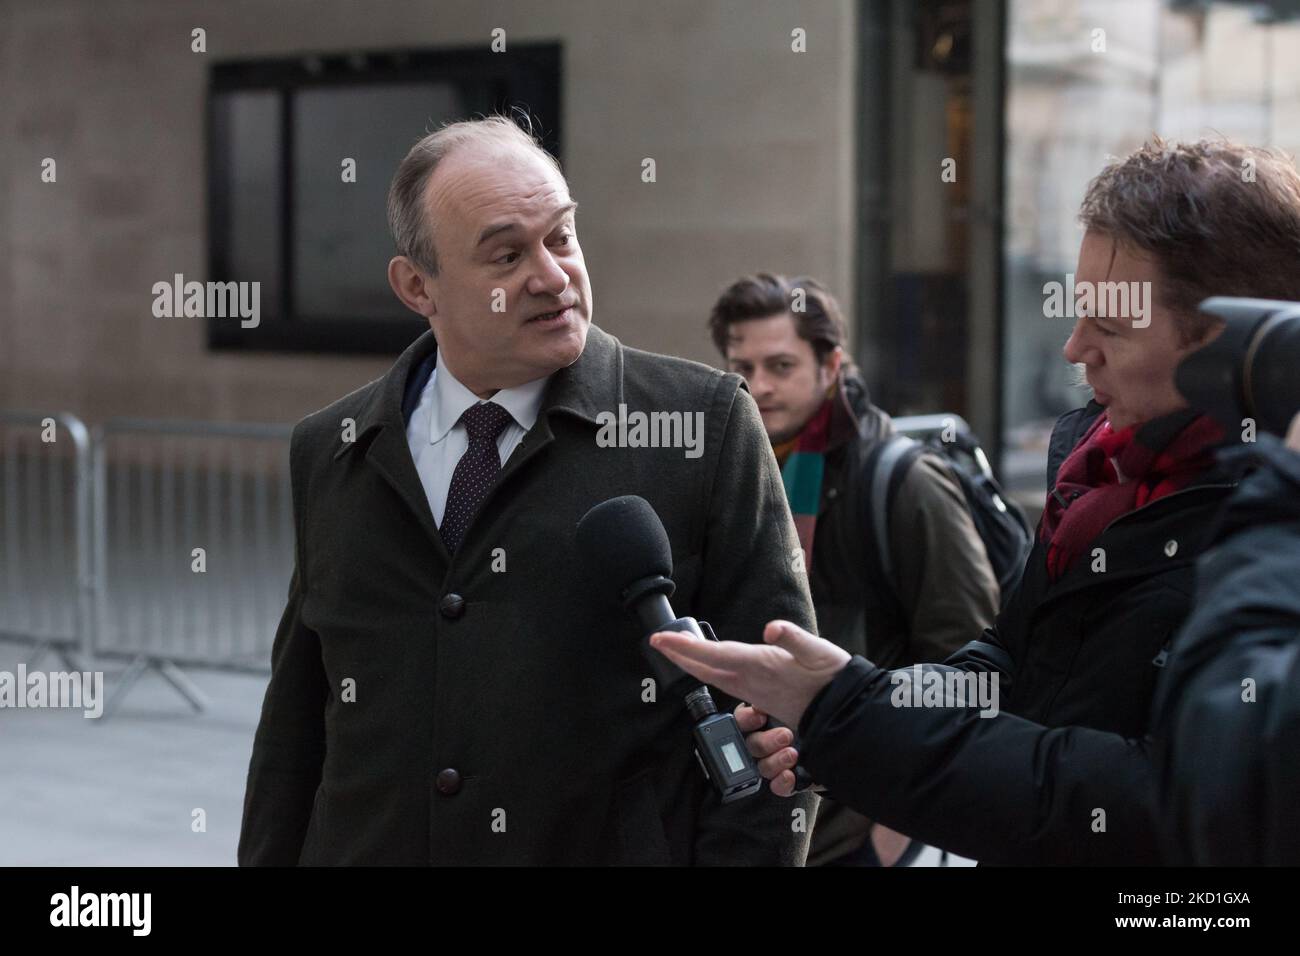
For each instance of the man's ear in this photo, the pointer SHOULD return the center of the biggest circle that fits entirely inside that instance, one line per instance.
(412, 286)
(834, 361)
(1208, 335)
(1212, 333)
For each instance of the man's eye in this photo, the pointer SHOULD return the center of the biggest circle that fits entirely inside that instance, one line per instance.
(563, 240)
(511, 256)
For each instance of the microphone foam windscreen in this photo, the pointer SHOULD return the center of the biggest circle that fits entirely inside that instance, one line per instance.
(622, 540)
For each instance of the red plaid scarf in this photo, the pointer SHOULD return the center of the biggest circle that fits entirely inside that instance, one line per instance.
(1154, 459)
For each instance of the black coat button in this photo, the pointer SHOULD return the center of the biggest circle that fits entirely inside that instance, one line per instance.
(452, 606)
(448, 782)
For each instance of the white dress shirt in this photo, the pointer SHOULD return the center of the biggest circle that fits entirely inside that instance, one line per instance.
(437, 438)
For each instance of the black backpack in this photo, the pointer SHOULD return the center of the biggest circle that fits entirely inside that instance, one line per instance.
(1000, 522)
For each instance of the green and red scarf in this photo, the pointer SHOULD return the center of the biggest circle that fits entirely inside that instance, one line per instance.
(803, 465)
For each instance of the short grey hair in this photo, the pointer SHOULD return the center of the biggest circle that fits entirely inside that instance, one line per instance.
(412, 232)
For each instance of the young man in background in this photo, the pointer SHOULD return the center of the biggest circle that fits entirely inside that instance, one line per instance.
(786, 338)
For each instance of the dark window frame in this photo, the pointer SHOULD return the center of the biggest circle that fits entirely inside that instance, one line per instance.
(527, 77)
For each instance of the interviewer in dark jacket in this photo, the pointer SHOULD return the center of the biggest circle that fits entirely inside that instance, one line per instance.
(1058, 769)
(1227, 710)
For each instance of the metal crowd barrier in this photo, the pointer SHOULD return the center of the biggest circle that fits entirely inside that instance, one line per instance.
(193, 538)
(162, 544)
(45, 529)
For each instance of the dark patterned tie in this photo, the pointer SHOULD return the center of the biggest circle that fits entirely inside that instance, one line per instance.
(476, 471)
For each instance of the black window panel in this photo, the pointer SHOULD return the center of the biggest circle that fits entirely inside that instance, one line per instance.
(279, 211)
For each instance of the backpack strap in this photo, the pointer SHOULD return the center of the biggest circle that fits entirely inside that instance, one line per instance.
(891, 462)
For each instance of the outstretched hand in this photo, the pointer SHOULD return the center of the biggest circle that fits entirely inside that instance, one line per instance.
(779, 677)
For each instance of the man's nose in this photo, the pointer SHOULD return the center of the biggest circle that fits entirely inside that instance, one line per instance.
(549, 278)
(1078, 348)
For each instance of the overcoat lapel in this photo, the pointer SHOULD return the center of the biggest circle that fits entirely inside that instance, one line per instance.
(591, 385)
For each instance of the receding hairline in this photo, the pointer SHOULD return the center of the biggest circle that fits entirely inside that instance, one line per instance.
(412, 212)
(497, 145)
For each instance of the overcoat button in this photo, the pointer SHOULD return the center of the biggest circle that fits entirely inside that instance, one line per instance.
(448, 782)
(1171, 547)
(452, 606)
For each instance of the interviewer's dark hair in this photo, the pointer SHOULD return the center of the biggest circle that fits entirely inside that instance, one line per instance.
(1216, 217)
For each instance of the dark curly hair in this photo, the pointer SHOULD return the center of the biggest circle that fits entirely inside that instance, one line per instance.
(819, 322)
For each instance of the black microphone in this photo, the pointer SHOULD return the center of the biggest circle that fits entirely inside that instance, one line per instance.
(627, 553)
